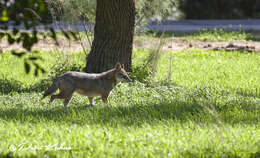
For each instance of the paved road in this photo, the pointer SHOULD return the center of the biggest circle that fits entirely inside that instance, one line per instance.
(196, 25)
(185, 25)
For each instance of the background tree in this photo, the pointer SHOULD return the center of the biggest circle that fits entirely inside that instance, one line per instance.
(113, 35)
(114, 26)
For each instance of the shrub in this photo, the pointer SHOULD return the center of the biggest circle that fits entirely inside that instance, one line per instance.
(56, 71)
(141, 73)
(63, 67)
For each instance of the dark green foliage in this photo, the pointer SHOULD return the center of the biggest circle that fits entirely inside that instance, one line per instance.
(28, 61)
(220, 9)
(29, 14)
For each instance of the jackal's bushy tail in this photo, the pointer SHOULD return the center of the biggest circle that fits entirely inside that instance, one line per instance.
(52, 88)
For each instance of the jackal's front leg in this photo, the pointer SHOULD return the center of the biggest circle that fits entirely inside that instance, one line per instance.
(104, 99)
(91, 101)
(67, 101)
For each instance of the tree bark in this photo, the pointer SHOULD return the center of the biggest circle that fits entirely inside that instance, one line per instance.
(113, 35)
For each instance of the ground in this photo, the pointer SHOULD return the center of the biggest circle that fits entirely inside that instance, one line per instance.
(242, 41)
(197, 102)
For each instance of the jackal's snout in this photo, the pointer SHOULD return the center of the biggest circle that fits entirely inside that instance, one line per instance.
(124, 78)
(122, 74)
(127, 78)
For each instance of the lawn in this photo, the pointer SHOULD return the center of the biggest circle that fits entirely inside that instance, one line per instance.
(207, 106)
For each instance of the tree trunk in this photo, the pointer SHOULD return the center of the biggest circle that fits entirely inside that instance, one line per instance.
(113, 35)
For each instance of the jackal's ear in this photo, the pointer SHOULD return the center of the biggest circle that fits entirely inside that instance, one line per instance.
(123, 66)
(118, 65)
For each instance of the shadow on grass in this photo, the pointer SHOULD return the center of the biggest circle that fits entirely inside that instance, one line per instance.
(9, 86)
(151, 112)
(208, 152)
(103, 114)
(134, 115)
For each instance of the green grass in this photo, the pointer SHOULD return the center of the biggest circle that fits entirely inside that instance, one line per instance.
(210, 108)
(210, 35)
(221, 35)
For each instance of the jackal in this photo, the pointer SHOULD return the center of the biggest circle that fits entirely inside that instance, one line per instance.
(88, 84)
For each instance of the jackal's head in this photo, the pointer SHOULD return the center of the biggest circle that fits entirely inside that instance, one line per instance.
(121, 74)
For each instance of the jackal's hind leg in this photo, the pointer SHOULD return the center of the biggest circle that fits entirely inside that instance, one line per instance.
(104, 99)
(91, 101)
(67, 89)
